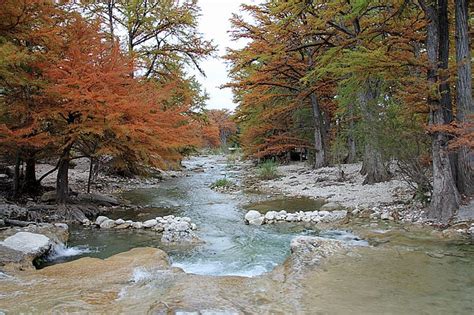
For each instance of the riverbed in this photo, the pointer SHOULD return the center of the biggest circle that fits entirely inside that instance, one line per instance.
(390, 268)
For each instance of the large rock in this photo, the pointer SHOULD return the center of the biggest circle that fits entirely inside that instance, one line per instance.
(17, 252)
(28, 243)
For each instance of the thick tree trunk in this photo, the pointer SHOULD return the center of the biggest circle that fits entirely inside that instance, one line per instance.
(16, 176)
(320, 152)
(30, 182)
(445, 198)
(89, 179)
(464, 100)
(62, 180)
(373, 165)
(351, 145)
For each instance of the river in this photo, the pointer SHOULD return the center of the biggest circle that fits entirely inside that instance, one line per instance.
(390, 268)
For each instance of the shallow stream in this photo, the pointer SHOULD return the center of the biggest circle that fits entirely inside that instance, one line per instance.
(395, 269)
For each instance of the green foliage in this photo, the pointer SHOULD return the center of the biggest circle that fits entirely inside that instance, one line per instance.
(222, 183)
(268, 170)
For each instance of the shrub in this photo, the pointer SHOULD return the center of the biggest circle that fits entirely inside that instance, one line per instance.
(267, 170)
(222, 183)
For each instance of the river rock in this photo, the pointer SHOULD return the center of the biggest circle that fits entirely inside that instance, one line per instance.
(257, 221)
(310, 250)
(28, 243)
(123, 226)
(270, 215)
(137, 225)
(150, 223)
(107, 224)
(119, 221)
(331, 206)
(385, 216)
(100, 219)
(253, 215)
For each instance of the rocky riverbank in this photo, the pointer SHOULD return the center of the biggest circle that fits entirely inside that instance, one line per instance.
(391, 200)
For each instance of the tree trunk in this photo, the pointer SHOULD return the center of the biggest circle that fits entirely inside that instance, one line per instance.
(16, 176)
(320, 154)
(351, 157)
(89, 179)
(445, 198)
(373, 165)
(62, 180)
(30, 182)
(464, 101)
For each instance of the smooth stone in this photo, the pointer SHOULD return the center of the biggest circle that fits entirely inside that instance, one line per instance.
(257, 221)
(270, 215)
(150, 223)
(107, 224)
(100, 219)
(28, 243)
(137, 225)
(119, 221)
(252, 215)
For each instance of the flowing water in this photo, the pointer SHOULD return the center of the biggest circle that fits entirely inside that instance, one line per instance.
(230, 248)
(390, 269)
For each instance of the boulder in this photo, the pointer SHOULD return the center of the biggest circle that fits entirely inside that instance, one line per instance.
(28, 243)
(107, 224)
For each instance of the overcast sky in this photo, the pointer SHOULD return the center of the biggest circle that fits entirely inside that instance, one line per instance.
(214, 24)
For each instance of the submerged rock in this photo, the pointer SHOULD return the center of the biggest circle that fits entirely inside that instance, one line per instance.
(310, 250)
(331, 206)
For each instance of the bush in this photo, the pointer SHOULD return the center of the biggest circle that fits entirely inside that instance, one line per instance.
(222, 183)
(268, 170)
